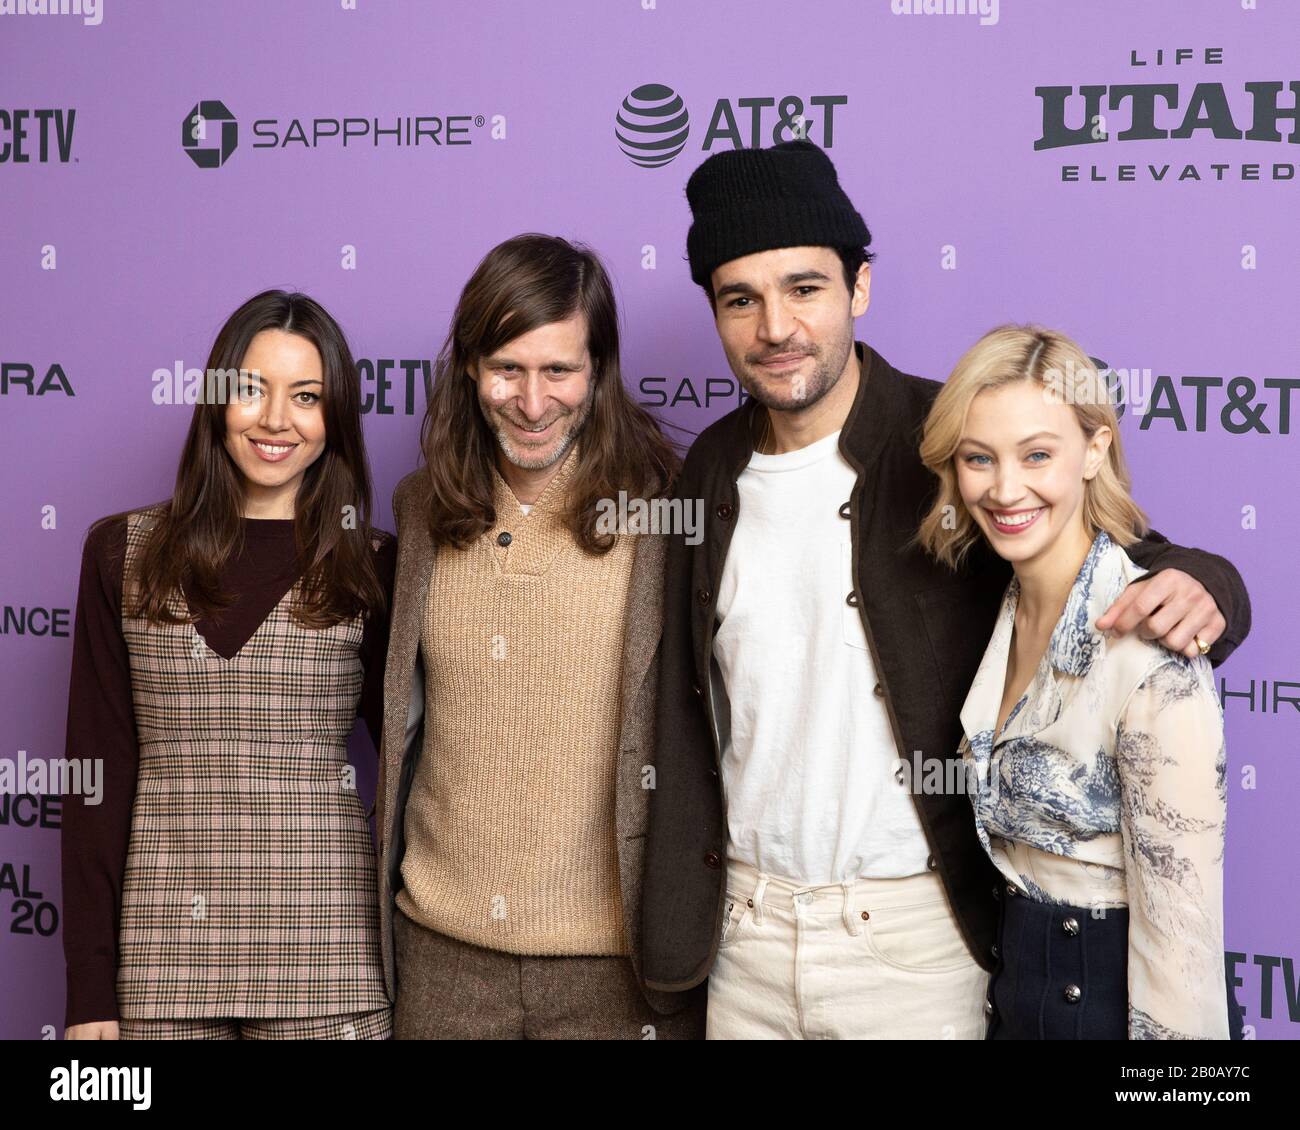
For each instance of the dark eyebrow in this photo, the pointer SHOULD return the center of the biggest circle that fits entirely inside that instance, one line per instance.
(805, 276)
(792, 279)
(734, 288)
(256, 374)
(499, 360)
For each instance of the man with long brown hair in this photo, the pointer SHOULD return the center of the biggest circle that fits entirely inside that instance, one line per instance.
(521, 674)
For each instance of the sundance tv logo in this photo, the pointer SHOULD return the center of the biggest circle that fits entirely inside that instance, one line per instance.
(199, 133)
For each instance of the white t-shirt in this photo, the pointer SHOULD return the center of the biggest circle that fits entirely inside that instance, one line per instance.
(808, 756)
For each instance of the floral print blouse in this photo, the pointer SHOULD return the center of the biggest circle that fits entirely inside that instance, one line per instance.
(1106, 788)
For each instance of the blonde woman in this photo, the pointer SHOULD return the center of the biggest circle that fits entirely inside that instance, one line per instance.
(1095, 765)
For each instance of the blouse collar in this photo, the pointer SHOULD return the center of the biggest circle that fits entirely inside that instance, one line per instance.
(1075, 645)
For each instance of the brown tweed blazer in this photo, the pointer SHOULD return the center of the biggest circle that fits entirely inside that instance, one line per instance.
(404, 719)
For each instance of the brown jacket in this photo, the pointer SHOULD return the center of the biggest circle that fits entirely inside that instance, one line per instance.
(404, 718)
(927, 628)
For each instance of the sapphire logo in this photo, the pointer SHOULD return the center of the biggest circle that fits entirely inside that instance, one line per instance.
(652, 125)
(209, 134)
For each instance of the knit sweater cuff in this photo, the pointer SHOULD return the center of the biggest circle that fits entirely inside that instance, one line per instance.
(92, 991)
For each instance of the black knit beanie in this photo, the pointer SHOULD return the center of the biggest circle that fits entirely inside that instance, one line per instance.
(748, 200)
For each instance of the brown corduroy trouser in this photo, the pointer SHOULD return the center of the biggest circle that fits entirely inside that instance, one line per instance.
(451, 990)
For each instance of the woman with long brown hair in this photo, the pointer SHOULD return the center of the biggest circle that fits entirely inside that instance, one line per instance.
(225, 641)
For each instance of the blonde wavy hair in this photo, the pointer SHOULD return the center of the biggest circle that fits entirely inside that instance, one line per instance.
(1001, 357)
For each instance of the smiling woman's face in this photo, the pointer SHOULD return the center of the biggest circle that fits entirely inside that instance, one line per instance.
(1021, 467)
(275, 429)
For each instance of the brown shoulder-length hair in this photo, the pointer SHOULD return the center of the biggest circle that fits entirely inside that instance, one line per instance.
(529, 281)
(199, 529)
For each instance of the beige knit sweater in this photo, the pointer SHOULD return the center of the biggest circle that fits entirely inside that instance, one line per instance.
(510, 837)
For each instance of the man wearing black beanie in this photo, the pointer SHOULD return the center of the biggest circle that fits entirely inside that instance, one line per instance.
(814, 658)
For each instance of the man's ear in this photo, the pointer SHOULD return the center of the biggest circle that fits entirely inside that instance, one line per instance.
(861, 297)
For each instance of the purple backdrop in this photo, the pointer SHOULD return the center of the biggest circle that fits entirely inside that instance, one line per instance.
(122, 255)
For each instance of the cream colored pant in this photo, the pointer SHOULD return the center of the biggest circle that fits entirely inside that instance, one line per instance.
(870, 959)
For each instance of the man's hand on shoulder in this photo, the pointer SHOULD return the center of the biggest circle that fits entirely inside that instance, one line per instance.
(1171, 607)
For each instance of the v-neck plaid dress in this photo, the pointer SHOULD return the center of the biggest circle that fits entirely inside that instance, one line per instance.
(250, 882)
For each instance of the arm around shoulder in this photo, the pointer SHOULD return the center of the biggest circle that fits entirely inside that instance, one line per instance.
(1219, 577)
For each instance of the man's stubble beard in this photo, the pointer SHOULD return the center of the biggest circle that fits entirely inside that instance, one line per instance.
(577, 422)
(824, 377)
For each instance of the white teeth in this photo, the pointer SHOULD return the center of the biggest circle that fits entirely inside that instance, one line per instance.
(274, 449)
(1017, 519)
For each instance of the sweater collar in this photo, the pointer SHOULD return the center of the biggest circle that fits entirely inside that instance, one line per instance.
(551, 501)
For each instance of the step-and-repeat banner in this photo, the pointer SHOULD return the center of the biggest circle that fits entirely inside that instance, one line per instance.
(1125, 173)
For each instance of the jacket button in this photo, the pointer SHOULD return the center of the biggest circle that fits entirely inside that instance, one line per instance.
(1071, 927)
(993, 949)
(704, 596)
(997, 892)
(988, 1008)
(851, 600)
(1073, 994)
(712, 859)
(931, 864)
(725, 511)
(1011, 890)
(844, 510)
(503, 538)
(697, 689)
(878, 691)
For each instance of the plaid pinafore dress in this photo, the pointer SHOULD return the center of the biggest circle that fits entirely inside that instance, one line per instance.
(250, 882)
